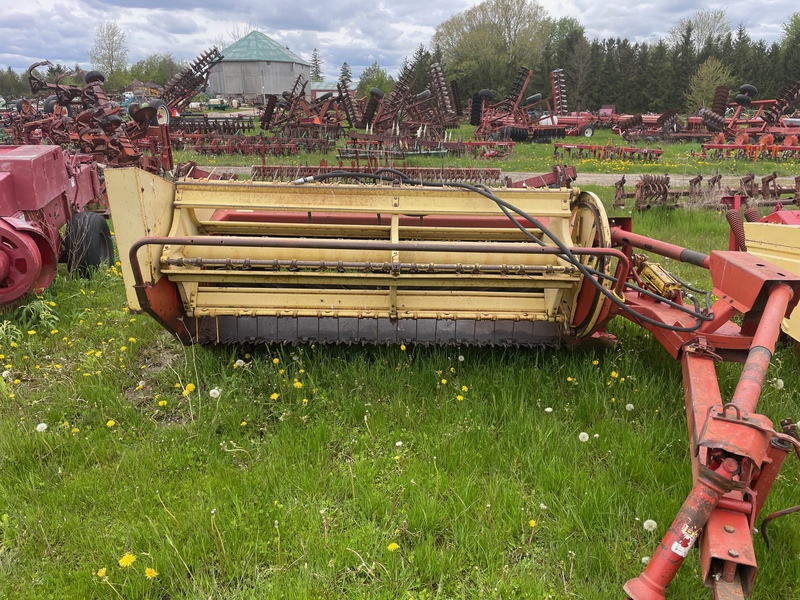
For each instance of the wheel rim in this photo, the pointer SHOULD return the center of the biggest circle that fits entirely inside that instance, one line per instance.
(162, 114)
(20, 265)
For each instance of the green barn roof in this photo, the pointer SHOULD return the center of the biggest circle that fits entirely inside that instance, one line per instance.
(256, 46)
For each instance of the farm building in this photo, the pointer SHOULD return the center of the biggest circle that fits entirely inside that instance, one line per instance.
(256, 65)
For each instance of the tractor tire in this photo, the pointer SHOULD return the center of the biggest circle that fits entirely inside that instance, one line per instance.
(162, 116)
(587, 131)
(743, 100)
(486, 95)
(376, 92)
(324, 96)
(49, 104)
(87, 243)
(93, 76)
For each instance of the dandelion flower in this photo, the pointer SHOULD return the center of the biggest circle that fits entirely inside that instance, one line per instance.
(778, 384)
(549, 409)
(460, 358)
(101, 572)
(398, 443)
(583, 436)
(150, 573)
(214, 393)
(162, 403)
(595, 362)
(464, 388)
(190, 387)
(403, 347)
(127, 560)
(569, 378)
(459, 397)
(297, 384)
(649, 525)
(276, 360)
(31, 332)
(645, 560)
(444, 381)
(532, 522)
(614, 374)
(111, 423)
(274, 396)
(393, 546)
(238, 364)
(629, 407)
(41, 427)
(243, 424)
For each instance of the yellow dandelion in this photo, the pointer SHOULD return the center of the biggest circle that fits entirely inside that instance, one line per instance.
(53, 331)
(75, 430)
(614, 374)
(444, 381)
(132, 340)
(569, 378)
(111, 423)
(150, 573)
(402, 347)
(464, 388)
(243, 424)
(127, 560)
(274, 396)
(459, 397)
(595, 362)
(393, 546)
(305, 400)
(190, 387)
(532, 522)
(298, 384)
(101, 572)
(162, 403)
(276, 360)
(31, 332)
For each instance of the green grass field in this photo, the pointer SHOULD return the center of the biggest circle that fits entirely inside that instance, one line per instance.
(349, 472)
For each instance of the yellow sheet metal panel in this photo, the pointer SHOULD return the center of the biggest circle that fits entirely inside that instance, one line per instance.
(141, 206)
(780, 245)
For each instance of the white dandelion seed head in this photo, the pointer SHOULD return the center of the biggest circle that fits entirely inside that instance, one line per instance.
(645, 560)
(240, 363)
(596, 436)
(460, 358)
(41, 427)
(214, 392)
(778, 384)
(629, 407)
(650, 525)
(398, 443)
(6, 374)
(542, 506)
(549, 409)
(583, 436)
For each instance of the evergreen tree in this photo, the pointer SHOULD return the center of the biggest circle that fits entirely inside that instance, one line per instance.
(316, 66)
(346, 73)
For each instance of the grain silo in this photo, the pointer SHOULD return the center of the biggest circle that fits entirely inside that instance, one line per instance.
(256, 65)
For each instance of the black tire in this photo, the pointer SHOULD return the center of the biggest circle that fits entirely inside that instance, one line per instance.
(132, 108)
(88, 244)
(93, 76)
(49, 104)
(376, 92)
(324, 96)
(18, 104)
(748, 90)
(162, 113)
(587, 131)
(486, 95)
(533, 99)
(743, 100)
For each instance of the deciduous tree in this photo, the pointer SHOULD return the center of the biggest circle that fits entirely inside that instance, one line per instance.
(109, 55)
(705, 80)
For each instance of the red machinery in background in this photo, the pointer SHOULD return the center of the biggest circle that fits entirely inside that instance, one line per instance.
(42, 190)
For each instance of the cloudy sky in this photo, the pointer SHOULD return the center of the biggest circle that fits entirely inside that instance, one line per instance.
(355, 31)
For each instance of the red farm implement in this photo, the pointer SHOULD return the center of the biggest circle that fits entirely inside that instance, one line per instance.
(42, 189)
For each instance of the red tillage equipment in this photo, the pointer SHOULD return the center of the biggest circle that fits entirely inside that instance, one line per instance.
(41, 191)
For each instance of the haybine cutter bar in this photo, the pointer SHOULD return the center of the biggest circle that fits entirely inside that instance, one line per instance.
(400, 262)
